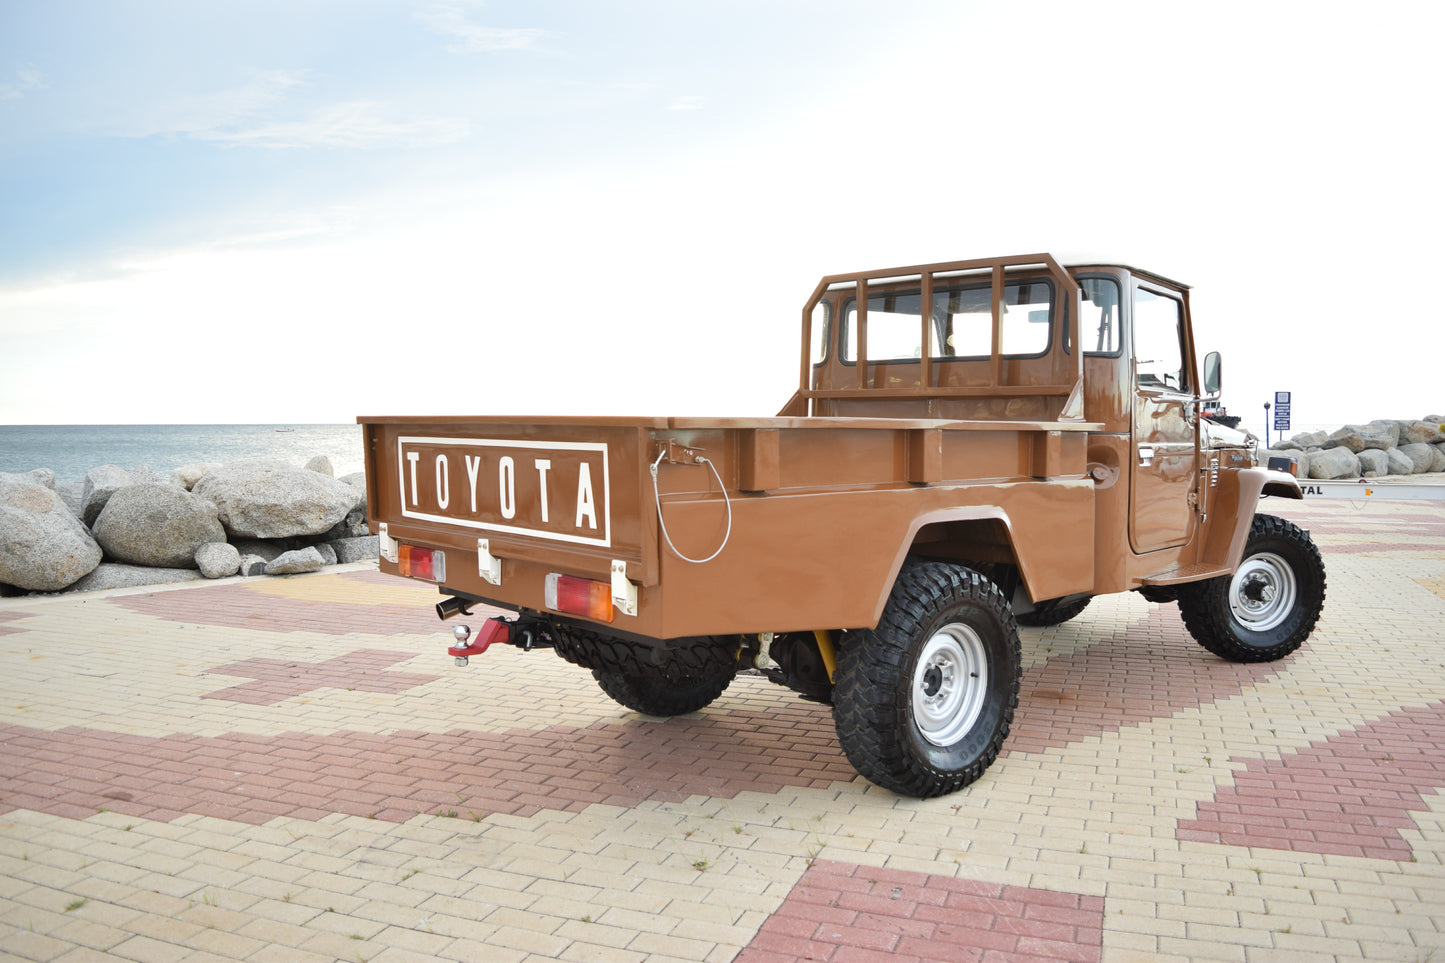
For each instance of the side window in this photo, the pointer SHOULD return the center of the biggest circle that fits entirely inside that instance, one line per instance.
(821, 331)
(1099, 317)
(1159, 341)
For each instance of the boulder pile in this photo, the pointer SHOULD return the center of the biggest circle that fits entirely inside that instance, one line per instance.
(122, 528)
(1382, 447)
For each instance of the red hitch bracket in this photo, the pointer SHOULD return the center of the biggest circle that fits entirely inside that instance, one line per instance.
(492, 630)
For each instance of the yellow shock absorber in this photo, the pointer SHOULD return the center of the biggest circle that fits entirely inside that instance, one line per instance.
(825, 649)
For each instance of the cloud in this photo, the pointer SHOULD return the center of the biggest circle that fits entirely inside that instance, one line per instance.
(451, 17)
(356, 124)
(26, 80)
(687, 103)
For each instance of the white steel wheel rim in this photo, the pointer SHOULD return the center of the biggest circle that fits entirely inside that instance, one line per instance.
(950, 682)
(1263, 591)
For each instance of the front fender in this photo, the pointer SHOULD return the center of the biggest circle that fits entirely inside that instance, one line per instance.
(1253, 484)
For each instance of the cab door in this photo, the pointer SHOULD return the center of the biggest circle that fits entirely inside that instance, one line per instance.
(1165, 425)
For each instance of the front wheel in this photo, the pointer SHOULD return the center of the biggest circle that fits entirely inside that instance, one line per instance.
(922, 703)
(1269, 606)
(655, 696)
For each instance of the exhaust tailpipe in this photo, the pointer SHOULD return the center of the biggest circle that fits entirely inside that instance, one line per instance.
(446, 608)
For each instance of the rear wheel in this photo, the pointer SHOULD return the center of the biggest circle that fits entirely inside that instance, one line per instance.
(655, 696)
(923, 702)
(1269, 606)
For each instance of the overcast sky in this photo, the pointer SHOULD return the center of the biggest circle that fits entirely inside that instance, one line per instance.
(302, 211)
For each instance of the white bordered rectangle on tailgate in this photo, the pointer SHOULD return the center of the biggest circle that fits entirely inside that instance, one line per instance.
(559, 490)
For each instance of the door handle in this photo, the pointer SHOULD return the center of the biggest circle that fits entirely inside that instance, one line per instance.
(1146, 456)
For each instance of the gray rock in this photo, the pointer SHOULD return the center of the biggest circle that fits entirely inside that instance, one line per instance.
(44, 477)
(357, 480)
(1400, 463)
(322, 464)
(1421, 456)
(186, 476)
(1422, 433)
(1305, 441)
(1381, 435)
(252, 565)
(1374, 463)
(156, 524)
(218, 559)
(292, 563)
(352, 526)
(100, 483)
(275, 502)
(355, 549)
(69, 493)
(111, 575)
(146, 475)
(43, 546)
(1334, 463)
(1439, 463)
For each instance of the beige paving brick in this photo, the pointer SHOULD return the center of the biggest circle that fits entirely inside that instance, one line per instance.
(681, 948)
(591, 932)
(583, 952)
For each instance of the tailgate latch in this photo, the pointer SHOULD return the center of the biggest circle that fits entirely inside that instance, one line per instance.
(489, 566)
(624, 593)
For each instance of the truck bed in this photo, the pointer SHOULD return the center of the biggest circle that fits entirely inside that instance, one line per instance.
(576, 496)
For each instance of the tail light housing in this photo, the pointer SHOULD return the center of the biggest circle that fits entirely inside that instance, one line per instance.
(579, 596)
(428, 564)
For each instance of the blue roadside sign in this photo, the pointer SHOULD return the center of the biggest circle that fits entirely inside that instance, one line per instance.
(1281, 411)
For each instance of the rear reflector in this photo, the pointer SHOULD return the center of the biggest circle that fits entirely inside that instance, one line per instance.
(423, 563)
(579, 596)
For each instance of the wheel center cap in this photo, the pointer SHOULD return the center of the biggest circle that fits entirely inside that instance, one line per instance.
(1258, 590)
(932, 681)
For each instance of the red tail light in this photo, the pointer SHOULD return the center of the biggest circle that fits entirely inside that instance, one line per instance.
(423, 563)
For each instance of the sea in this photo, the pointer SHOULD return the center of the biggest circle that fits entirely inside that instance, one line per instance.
(72, 450)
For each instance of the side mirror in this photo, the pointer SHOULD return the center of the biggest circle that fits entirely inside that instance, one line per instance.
(1212, 364)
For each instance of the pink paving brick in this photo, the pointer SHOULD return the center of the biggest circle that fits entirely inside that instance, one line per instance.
(397, 776)
(243, 606)
(885, 919)
(1349, 795)
(275, 680)
(1152, 669)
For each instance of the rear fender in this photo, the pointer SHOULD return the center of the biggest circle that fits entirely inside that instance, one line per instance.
(974, 533)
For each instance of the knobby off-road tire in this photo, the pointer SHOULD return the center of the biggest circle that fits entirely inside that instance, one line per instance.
(657, 697)
(923, 702)
(683, 660)
(1052, 612)
(1269, 606)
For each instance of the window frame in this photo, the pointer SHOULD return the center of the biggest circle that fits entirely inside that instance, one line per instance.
(850, 301)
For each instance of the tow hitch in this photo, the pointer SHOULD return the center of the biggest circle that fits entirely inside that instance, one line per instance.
(493, 630)
(525, 634)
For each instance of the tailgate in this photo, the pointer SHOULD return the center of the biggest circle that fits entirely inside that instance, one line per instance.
(567, 492)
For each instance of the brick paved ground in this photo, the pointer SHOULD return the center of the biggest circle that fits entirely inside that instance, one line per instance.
(293, 770)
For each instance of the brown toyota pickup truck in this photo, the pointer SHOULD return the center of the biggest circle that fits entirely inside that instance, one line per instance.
(973, 445)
